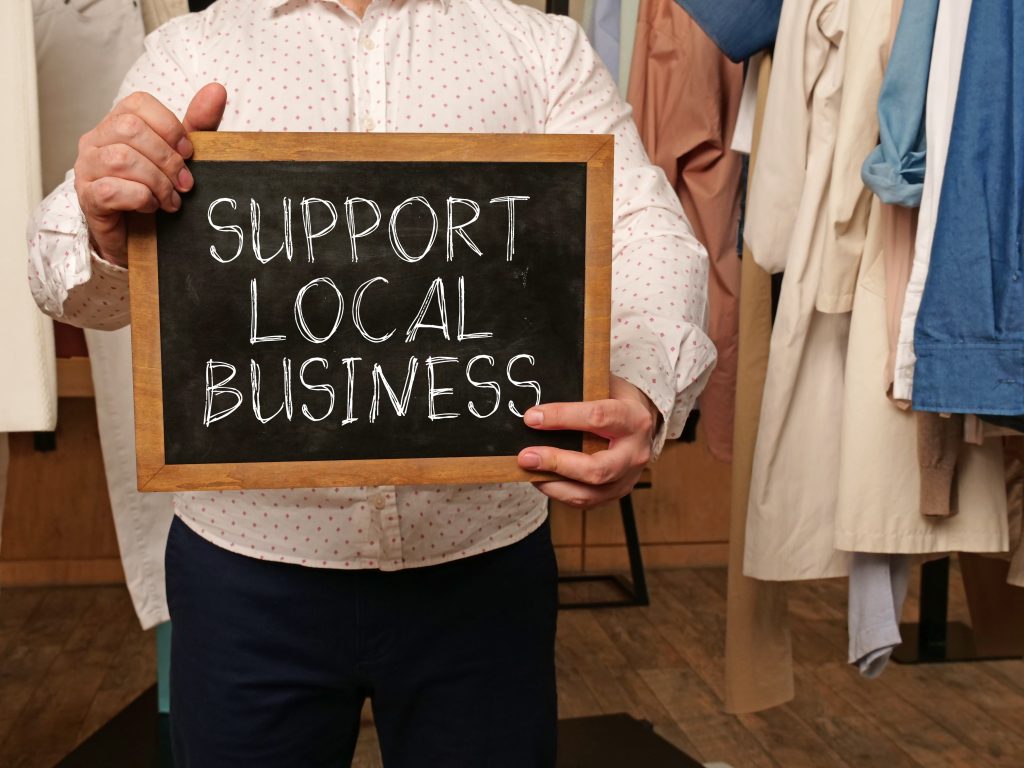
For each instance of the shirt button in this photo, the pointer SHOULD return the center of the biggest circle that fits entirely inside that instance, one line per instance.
(368, 44)
(368, 124)
(379, 502)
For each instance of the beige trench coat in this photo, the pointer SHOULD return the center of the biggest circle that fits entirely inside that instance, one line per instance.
(835, 467)
(758, 645)
(879, 507)
(793, 489)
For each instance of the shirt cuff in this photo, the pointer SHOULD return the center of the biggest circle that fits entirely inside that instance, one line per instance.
(672, 389)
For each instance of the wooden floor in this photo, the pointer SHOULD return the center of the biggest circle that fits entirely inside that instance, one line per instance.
(71, 658)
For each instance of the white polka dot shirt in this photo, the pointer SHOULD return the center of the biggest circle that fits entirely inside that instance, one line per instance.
(488, 66)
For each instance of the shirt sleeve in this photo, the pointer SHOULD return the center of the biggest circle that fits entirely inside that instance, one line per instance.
(659, 270)
(68, 279)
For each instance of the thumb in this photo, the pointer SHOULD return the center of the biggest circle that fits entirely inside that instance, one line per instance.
(206, 109)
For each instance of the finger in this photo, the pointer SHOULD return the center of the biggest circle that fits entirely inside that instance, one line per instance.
(594, 469)
(581, 495)
(123, 162)
(132, 130)
(158, 117)
(206, 109)
(110, 195)
(607, 418)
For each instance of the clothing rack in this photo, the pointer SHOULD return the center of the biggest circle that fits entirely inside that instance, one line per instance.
(933, 639)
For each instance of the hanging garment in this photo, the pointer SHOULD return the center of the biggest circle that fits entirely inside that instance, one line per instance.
(686, 123)
(743, 134)
(899, 228)
(156, 13)
(969, 336)
(1013, 450)
(628, 17)
(791, 512)
(899, 224)
(604, 31)
(740, 28)
(878, 587)
(940, 101)
(939, 439)
(867, 46)
(895, 169)
(28, 377)
(84, 50)
(882, 487)
(758, 647)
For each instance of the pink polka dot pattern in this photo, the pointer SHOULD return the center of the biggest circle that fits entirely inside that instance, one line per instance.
(409, 65)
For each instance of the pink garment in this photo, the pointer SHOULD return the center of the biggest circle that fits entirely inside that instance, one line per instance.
(899, 226)
(685, 95)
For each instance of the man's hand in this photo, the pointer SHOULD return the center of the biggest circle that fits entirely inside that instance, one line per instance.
(134, 160)
(628, 420)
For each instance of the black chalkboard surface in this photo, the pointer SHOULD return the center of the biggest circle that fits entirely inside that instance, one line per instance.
(360, 309)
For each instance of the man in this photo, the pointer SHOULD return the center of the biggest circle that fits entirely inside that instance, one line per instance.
(289, 608)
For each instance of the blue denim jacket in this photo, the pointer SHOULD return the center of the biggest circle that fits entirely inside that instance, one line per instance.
(969, 337)
(895, 169)
(740, 28)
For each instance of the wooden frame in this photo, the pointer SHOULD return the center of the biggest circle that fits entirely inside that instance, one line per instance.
(154, 474)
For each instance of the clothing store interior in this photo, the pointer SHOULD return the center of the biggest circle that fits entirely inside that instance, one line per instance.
(732, 476)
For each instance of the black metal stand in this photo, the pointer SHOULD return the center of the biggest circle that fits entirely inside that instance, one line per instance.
(934, 640)
(635, 591)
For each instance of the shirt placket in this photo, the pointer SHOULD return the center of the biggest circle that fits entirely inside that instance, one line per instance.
(370, 71)
(384, 502)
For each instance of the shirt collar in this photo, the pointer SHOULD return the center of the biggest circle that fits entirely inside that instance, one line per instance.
(278, 3)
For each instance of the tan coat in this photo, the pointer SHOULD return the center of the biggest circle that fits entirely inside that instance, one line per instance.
(758, 647)
(879, 500)
(686, 123)
(796, 460)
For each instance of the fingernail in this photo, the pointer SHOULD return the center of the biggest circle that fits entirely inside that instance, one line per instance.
(530, 461)
(534, 418)
(184, 147)
(185, 179)
(175, 200)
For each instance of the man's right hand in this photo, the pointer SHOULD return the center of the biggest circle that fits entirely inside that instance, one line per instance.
(134, 160)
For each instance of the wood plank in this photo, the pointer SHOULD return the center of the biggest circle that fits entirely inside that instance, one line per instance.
(57, 506)
(601, 559)
(716, 736)
(131, 672)
(624, 690)
(61, 699)
(33, 651)
(39, 573)
(566, 524)
(927, 741)
(570, 559)
(74, 377)
(934, 686)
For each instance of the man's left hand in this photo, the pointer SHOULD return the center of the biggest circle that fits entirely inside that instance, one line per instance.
(628, 420)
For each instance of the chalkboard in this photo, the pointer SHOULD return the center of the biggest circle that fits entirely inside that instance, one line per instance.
(362, 309)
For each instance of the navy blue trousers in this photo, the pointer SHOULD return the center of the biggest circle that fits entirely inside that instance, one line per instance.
(271, 662)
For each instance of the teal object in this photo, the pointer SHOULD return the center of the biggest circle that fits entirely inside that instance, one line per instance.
(163, 667)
